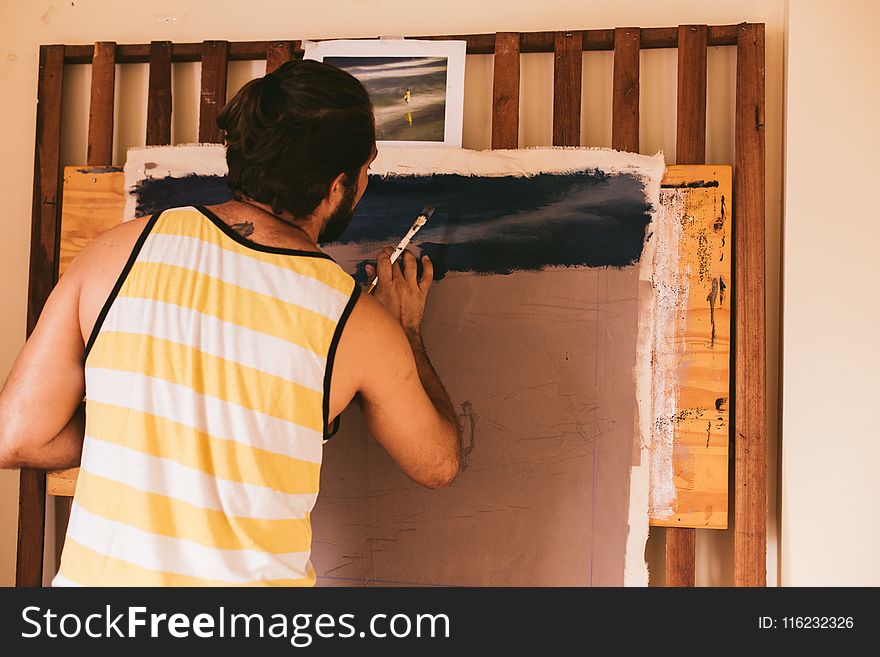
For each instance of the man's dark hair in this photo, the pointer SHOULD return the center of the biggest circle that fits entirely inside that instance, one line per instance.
(290, 133)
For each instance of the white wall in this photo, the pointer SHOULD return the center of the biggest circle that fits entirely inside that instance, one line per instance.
(26, 25)
(831, 444)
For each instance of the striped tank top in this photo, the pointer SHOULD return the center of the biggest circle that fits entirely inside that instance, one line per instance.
(207, 390)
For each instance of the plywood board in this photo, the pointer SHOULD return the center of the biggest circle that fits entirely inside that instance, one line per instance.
(93, 202)
(701, 421)
(62, 483)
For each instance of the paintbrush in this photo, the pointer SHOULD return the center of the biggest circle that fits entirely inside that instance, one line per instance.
(420, 221)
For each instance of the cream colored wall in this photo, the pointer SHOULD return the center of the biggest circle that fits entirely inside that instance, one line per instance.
(26, 25)
(830, 486)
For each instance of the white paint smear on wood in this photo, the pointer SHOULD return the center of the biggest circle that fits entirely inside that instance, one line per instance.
(663, 311)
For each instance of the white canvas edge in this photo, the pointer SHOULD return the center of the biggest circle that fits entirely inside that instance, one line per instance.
(454, 51)
(413, 160)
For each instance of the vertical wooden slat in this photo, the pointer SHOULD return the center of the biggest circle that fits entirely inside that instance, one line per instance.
(750, 404)
(625, 94)
(100, 145)
(681, 552)
(277, 53)
(690, 139)
(505, 91)
(567, 65)
(213, 96)
(159, 95)
(42, 273)
(690, 148)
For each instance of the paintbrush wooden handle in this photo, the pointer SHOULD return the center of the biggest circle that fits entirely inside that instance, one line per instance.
(420, 221)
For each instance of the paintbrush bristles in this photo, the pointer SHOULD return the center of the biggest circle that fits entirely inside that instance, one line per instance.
(420, 221)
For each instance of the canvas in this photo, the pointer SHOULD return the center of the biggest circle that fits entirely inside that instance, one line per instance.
(543, 322)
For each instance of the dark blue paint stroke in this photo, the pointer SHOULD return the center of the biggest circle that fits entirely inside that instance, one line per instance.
(505, 224)
(157, 194)
(481, 225)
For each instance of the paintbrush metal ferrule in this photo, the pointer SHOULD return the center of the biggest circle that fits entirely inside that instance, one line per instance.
(420, 221)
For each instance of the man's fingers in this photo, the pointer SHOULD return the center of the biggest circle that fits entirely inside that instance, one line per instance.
(383, 266)
(409, 268)
(371, 271)
(395, 266)
(427, 274)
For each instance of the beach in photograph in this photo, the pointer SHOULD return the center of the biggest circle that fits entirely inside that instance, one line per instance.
(408, 94)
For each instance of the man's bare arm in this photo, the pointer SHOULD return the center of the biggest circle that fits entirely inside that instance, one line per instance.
(404, 402)
(41, 416)
(61, 452)
(430, 381)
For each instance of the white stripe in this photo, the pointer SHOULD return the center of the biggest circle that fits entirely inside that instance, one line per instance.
(214, 336)
(175, 555)
(165, 477)
(219, 418)
(244, 271)
(61, 580)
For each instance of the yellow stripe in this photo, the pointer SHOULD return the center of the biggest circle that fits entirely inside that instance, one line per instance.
(192, 223)
(89, 568)
(259, 312)
(226, 459)
(209, 375)
(167, 516)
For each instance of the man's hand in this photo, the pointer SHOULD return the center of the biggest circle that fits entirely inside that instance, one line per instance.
(400, 289)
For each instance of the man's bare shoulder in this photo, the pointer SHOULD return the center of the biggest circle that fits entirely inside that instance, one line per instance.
(370, 335)
(370, 320)
(366, 331)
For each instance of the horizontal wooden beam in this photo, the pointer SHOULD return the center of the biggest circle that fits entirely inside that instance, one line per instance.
(477, 44)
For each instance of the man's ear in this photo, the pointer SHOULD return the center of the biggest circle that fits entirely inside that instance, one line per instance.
(337, 190)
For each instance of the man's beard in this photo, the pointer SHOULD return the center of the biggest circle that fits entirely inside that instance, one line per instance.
(339, 219)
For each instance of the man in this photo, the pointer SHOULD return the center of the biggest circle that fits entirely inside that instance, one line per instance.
(214, 346)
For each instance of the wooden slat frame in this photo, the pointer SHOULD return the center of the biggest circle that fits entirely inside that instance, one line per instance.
(681, 542)
(100, 143)
(159, 96)
(279, 52)
(690, 133)
(625, 92)
(750, 375)
(505, 91)
(42, 275)
(567, 73)
(213, 95)
(749, 403)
